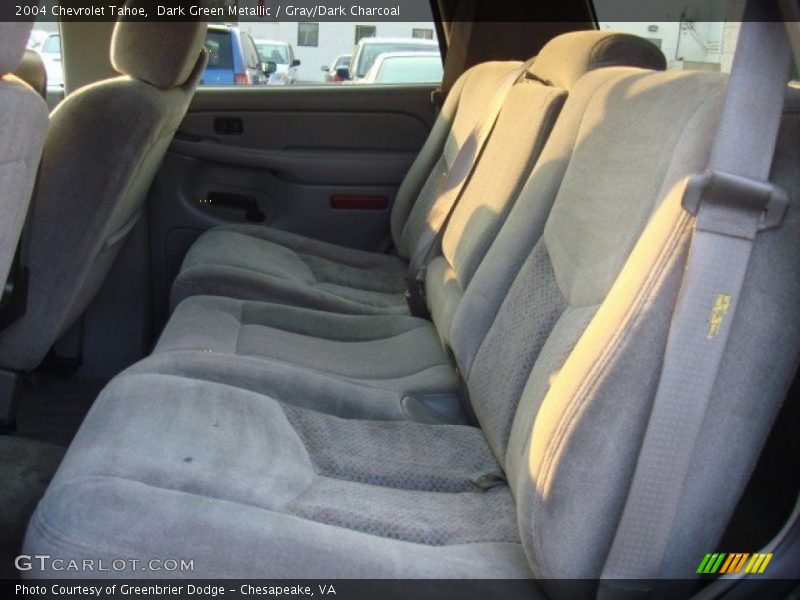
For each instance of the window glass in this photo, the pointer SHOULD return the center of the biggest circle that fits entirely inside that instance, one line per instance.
(366, 55)
(687, 43)
(363, 31)
(325, 52)
(253, 60)
(308, 34)
(411, 68)
(277, 52)
(52, 44)
(45, 40)
(220, 48)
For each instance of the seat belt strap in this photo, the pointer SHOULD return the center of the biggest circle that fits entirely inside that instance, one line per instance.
(451, 189)
(732, 202)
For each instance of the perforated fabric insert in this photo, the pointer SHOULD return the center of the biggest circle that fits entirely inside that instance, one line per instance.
(513, 343)
(378, 279)
(430, 518)
(565, 334)
(394, 454)
(402, 480)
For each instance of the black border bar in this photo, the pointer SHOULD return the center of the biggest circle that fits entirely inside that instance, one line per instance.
(359, 10)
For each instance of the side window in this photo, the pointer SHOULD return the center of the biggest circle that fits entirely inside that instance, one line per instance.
(687, 43)
(52, 44)
(251, 53)
(328, 52)
(46, 40)
(308, 34)
(364, 31)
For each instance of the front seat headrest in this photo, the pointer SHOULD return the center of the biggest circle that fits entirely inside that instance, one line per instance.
(566, 58)
(32, 71)
(161, 54)
(13, 39)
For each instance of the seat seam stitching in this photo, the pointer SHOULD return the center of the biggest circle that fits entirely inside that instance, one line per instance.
(598, 368)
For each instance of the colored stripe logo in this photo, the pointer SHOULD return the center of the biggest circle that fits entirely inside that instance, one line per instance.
(724, 563)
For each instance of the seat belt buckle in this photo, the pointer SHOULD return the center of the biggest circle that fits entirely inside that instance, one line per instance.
(415, 294)
(437, 99)
(733, 191)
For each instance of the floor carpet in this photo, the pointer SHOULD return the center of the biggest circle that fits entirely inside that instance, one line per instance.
(49, 411)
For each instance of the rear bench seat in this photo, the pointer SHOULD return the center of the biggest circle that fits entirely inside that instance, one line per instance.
(252, 483)
(261, 263)
(397, 353)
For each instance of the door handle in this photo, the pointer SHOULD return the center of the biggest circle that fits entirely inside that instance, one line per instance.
(252, 212)
(228, 126)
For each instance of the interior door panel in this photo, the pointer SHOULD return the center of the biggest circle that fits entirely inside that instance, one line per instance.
(322, 161)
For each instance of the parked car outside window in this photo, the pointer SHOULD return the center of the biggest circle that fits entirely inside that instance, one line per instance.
(368, 50)
(341, 61)
(406, 67)
(49, 48)
(233, 58)
(282, 54)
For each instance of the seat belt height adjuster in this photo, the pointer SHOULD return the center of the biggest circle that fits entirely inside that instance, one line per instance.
(727, 190)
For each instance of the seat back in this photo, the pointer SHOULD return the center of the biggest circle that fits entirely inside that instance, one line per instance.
(577, 436)
(23, 123)
(595, 186)
(584, 275)
(520, 132)
(566, 57)
(105, 143)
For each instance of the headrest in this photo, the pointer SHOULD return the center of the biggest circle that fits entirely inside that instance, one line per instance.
(32, 71)
(566, 58)
(13, 39)
(161, 54)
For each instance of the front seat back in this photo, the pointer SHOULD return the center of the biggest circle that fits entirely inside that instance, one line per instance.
(105, 143)
(23, 123)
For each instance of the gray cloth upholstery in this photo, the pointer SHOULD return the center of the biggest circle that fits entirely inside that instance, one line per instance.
(560, 335)
(565, 59)
(103, 148)
(266, 265)
(23, 123)
(235, 260)
(297, 385)
(161, 54)
(591, 225)
(13, 39)
(259, 263)
(204, 466)
(578, 446)
(396, 353)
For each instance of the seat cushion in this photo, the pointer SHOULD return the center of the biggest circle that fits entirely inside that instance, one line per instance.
(396, 353)
(260, 263)
(199, 466)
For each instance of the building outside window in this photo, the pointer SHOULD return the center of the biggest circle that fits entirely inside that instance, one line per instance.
(363, 31)
(308, 34)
